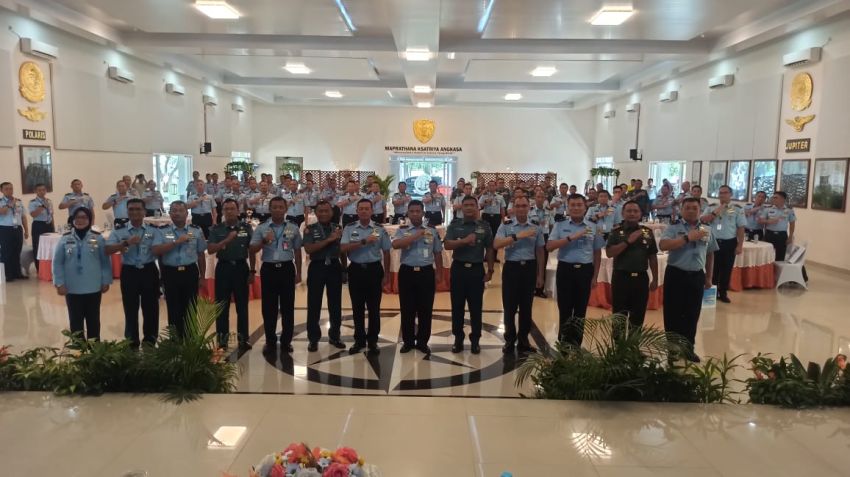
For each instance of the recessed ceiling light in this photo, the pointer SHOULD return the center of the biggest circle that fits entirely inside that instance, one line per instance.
(513, 97)
(217, 9)
(422, 89)
(424, 104)
(345, 16)
(226, 437)
(612, 16)
(297, 68)
(544, 71)
(390, 94)
(417, 54)
(333, 94)
(451, 55)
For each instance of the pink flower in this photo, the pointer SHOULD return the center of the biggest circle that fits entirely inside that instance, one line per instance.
(297, 452)
(336, 470)
(277, 471)
(345, 455)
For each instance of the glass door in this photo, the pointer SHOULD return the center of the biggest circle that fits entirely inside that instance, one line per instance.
(172, 173)
(418, 171)
(674, 172)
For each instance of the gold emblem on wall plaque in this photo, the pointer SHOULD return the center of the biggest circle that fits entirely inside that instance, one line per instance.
(32, 82)
(799, 122)
(423, 129)
(801, 92)
(33, 114)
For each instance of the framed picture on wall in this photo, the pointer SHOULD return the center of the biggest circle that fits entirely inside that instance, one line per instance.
(739, 179)
(696, 172)
(764, 177)
(36, 168)
(794, 180)
(716, 177)
(829, 191)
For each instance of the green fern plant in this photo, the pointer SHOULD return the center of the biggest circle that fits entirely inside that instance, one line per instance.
(384, 183)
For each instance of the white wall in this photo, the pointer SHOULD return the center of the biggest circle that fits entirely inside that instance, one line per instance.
(493, 139)
(101, 129)
(745, 122)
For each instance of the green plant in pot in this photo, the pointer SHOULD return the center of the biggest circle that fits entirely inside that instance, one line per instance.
(384, 183)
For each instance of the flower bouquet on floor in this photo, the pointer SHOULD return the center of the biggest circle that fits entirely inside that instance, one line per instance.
(298, 460)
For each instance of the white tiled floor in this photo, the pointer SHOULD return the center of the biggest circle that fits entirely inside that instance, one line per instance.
(413, 436)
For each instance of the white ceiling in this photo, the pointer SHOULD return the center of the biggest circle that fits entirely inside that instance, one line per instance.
(479, 57)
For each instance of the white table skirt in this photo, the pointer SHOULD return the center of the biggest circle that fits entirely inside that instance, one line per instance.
(47, 244)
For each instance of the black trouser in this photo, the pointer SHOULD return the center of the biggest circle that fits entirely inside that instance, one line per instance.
(753, 233)
(140, 286)
(278, 284)
(337, 214)
(84, 308)
(539, 290)
(573, 282)
(779, 240)
(467, 288)
(630, 293)
(204, 221)
(39, 228)
(231, 279)
(434, 218)
(518, 280)
(724, 260)
(364, 286)
(120, 223)
(683, 292)
(261, 217)
(398, 217)
(560, 217)
(150, 212)
(378, 218)
(348, 219)
(295, 219)
(416, 290)
(494, 220)
(324, 277)
(181, 290)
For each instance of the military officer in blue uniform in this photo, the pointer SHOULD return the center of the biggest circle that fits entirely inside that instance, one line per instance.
(379, 203)
(558, 204)
(13, 231)
(153, 200)
(139, 275)
(752, 212)
(457, 202)
(348, 203)
(41, 210)
(234, 272)
(435, 204)
(727, 223)
(492, 206)
(523, 272)
(311, 195)
(690, 265)
(328, 193)
(202, 206)
(400, 201)
(579, 244)
(76, 199)
(321, 241)
(280, 241)
(118, 203)
(366, 244)
(542, 216)
(420, 270)
(663, 204)
(603, 214)
(260, 202)
(471, 242)
(82, 272)
(779, 221)
(181, 247)
(296, 211)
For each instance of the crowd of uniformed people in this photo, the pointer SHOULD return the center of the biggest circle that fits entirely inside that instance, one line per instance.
(348, 244)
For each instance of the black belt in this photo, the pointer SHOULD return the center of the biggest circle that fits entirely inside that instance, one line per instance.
(416, 269)
(577, 265)
(629, 274)
(466, 264)
(181, 268)
(521, 263)
(136, 267)
(233, 262)
(686, 272)
(366, 264)
(775, 232)
(322, 260)
(295, 216)
(202, 215)
(725, 240)
(486, 214)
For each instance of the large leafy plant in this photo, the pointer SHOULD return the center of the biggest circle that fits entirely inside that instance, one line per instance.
(181, 368)
(384, 183)
(787, 382)
(623, 364)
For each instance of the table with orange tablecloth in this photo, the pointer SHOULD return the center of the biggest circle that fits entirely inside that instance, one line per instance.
(47, 248)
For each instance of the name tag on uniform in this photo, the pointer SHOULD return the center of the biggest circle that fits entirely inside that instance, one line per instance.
(242, 234)
(425, 252)
(719, 226)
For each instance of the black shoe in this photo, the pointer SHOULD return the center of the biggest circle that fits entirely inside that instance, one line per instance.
(475, 348)
(373, 348)
(692, 357)
(406, 348)
(724, 299)
(457, 347)
(269, 348)
(423, 348)
(245, 346)
(286, 348)
(356, 348)
(313, 346)
(508, 348)
(336, 344)
(525, 348)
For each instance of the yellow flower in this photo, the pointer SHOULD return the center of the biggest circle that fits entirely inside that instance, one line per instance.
(360, 462)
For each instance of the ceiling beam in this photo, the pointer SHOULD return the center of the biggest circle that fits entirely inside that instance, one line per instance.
(459, 83)
(384, 83)
(143, 40)
(560, 47)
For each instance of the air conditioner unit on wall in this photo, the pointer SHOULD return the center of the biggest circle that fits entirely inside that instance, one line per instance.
(668, 96)
(722, 81)
(633, 108)
(39, 49)
(609, 113)
(175, 89)
(802, 57)
(239, 108)
(210, 100)
(120, 75)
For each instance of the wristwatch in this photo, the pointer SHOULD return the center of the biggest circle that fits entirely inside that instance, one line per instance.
(363, 242)
(513, 236)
